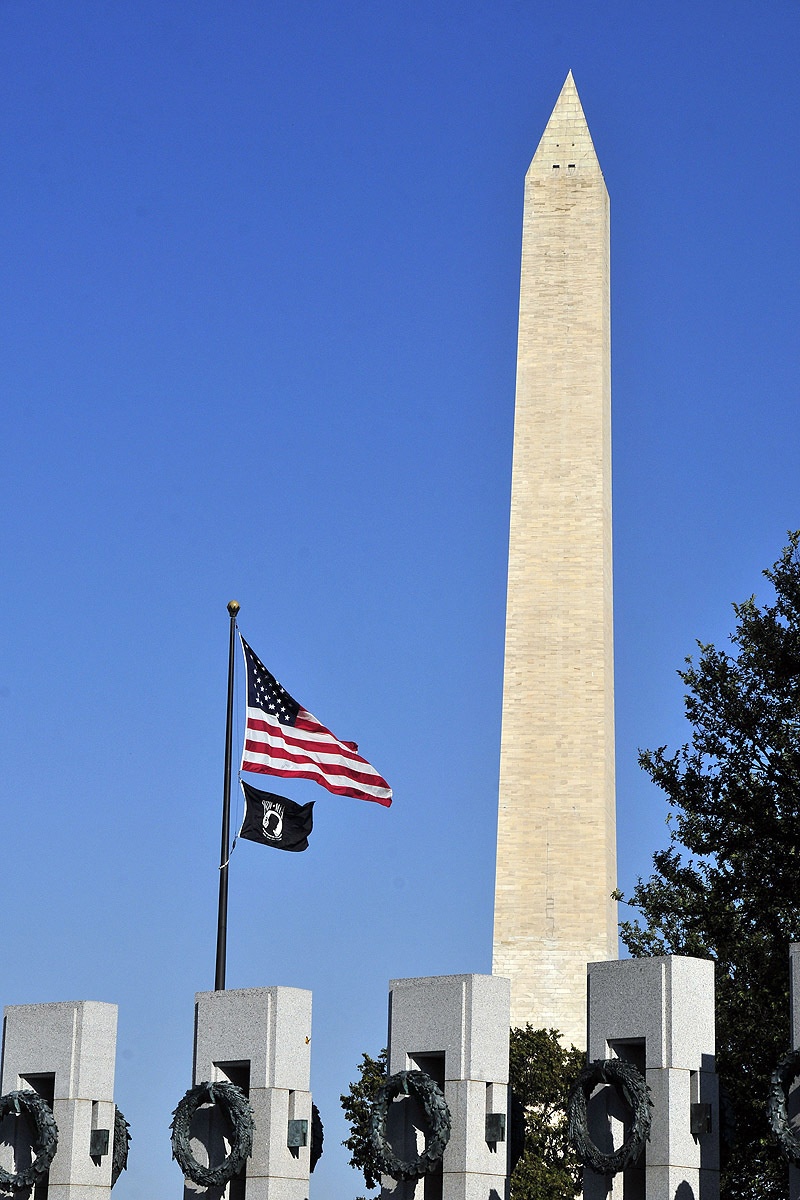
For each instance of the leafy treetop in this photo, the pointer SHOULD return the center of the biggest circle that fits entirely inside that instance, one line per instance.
(728, 885)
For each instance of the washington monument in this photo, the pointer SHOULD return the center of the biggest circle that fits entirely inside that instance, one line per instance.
(556, 841)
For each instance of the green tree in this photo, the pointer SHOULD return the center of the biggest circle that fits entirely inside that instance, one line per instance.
(541, 1072)
(728, 886)
(357, 1106)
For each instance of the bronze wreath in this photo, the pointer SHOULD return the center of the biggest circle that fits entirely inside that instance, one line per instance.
(317, 1137)
(629, 1084)
(236, 1107)
(427, 1091)
(45, 1141)
(782, 1079)
(122, 1141)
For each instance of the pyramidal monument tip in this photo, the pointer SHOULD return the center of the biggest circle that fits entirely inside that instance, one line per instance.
(566, 136)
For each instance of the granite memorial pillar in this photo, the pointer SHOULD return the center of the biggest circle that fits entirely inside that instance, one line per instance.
(658, 1014)
(66, 1053)
(455, 1028)
(260, 1039)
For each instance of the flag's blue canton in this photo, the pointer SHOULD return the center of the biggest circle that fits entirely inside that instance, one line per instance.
(264, 692)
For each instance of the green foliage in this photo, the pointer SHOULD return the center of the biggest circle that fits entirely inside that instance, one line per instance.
(728, 886)
(542, 1072)
(357, 1106)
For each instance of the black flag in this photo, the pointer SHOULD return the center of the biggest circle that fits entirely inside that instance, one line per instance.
(275, 821)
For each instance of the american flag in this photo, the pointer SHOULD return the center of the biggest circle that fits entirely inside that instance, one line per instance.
(282, 738)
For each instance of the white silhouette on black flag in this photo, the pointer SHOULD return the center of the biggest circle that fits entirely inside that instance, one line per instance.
(275, 821)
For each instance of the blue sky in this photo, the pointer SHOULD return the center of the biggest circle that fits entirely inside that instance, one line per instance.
(260, 270)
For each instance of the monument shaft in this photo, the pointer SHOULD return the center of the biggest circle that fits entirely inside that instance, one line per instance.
(556, 845)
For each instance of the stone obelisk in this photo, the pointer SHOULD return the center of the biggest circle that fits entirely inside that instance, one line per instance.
(556, 842)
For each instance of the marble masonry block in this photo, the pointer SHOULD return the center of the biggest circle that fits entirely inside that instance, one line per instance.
(689, 1012)
(472, 1187)
(456, 1029)
(671, 1141)
(73, 1164)
(66, 1052)
(268, 1027)
(61, 1191)
(709, 1143)
(263, 1188)
(666, 1002)
(466, 1017)
(260, 1039)
(658, 1014)
(468, 1150)
(273, 1108)
(76, 1041)
(709, 1184)
(672, 1183)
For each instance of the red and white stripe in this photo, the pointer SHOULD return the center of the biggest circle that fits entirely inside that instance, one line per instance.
(307, 750)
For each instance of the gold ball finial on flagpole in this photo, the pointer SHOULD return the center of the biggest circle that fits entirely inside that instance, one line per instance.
(233, 607)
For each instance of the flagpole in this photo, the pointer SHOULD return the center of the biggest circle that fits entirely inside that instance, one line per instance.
(222, 914)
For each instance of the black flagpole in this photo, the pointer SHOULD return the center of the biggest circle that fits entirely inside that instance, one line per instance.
(222, 916)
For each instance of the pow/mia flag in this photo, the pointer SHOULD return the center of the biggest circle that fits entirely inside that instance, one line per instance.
(275, 821)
